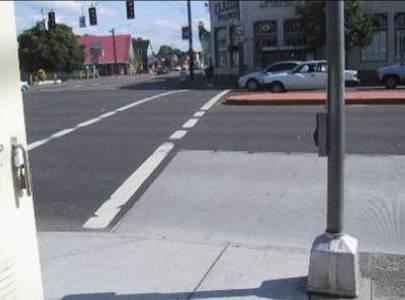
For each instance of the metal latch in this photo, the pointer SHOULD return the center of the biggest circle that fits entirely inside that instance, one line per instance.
(21, 168)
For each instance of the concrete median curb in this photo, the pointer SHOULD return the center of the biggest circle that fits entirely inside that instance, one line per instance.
(315, 98)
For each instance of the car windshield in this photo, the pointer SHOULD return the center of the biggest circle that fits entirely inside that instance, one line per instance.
(281, 67)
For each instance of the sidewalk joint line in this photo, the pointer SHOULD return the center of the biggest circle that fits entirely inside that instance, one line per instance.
(208, 271)
(80, 252)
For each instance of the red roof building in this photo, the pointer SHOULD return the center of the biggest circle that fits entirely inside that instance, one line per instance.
(100, 52)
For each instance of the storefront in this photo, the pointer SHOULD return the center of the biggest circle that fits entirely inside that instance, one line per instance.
(249, 35)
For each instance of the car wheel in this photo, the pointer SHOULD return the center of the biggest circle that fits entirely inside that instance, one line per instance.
(252, 85)
(277, 87)
(390, 82)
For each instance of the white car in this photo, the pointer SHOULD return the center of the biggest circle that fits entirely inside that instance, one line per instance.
(24, 86)
(254, 80)
(311, 75)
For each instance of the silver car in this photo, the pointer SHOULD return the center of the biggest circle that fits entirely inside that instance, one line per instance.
(310, 75)
(255, 80)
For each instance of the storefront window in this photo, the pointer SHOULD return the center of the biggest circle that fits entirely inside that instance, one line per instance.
(293, 33)
(377, 50)
(400, 36)
(265, 37)
(234, 46)
(221, 49)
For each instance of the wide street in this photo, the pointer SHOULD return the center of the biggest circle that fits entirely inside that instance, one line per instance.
(94, 144)
(140, 175)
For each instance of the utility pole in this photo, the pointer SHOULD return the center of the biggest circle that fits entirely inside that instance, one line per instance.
(190, 41)
(334, 262)
(115, 51)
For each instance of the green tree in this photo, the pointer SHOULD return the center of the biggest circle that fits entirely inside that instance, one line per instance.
(53, 50)
(358, 27)
(166, 51)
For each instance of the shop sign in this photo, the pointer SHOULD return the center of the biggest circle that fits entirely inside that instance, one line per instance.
(82, 21)
(281, 3)
(226, 10)
(185, 33)
(96, 49)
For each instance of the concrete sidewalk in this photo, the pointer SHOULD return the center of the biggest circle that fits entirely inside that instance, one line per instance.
(100, 266)
(108, 266)
(224, 225)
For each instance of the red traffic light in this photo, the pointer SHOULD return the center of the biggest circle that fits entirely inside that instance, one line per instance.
(51, 20)
(92, 16)
(130, 9)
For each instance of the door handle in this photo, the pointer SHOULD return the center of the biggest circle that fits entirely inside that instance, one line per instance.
(21, 168)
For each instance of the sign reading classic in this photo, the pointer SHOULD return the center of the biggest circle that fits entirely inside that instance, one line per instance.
(226, 10)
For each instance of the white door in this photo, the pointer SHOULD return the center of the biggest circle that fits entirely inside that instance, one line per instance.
(20, 276)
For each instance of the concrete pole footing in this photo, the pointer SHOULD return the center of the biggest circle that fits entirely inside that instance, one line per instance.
(334, 266)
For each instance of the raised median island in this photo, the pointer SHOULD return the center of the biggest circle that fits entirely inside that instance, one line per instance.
(369, 96)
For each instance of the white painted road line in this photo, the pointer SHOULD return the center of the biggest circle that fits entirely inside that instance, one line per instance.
(190, 123)
(107, 115)
(88, 122)
(214, 100)
(66, 131)
(179, 134)
(109, 209)
(199, 114)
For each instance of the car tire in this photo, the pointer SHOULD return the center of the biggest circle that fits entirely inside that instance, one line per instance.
(390, 82)
(252, 85)
(277, 87)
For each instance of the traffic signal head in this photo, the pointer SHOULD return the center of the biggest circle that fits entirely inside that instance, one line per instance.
(51, 20)
(93, 16)
(130, 9)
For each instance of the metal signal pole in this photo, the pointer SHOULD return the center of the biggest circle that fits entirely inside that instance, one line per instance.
(334, 261)
(190, 41)
(336, 115)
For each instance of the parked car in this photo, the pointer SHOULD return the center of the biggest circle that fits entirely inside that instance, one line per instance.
(391, 76)
(24, 86)
(162, 70)
(254, 80)
(311, 75)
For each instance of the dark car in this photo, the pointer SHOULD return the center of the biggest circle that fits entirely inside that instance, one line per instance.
(162, 70)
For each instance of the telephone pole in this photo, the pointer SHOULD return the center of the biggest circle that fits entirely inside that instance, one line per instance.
(115, 51)
(190, 41)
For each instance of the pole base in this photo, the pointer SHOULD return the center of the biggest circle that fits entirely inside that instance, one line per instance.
(334, 266)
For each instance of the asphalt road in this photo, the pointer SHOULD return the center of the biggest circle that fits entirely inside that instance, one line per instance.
(74, 174)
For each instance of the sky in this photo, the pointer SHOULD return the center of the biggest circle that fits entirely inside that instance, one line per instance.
(159, 21)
